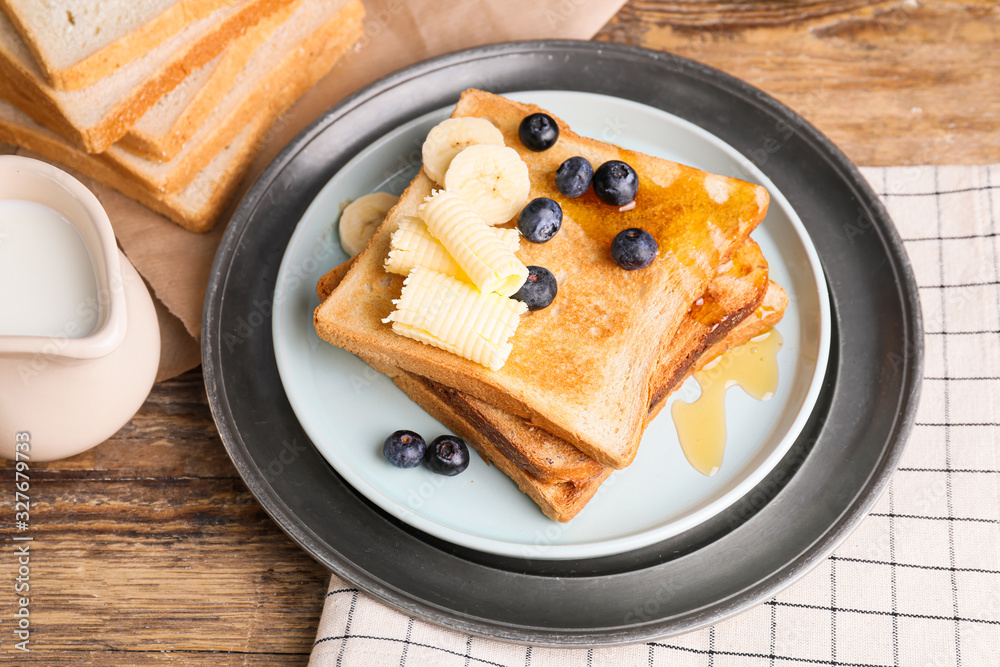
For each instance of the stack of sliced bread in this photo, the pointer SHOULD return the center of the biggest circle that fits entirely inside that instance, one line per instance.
(166, 101)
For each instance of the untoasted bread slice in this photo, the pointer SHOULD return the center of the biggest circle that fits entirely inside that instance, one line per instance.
(162, 131)
(75, 44)
(94, 117)
(296, 54)
(196, 207)
(580, 369)
(560, 500)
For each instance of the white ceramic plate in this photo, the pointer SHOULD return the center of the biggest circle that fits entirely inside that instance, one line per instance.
(348, 409)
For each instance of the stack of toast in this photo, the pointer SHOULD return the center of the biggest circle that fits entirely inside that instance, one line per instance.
(166, 101)
(588, 373)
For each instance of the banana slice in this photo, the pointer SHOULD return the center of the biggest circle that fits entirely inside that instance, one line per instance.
(493, 180)
(486, 260)
(361, 218)
(452, 315)
(413, 245)
(449, 137)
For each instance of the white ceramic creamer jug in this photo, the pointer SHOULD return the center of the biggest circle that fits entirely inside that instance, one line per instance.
(79, 340)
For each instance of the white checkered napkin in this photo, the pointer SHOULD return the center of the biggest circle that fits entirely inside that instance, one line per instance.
(918, 583)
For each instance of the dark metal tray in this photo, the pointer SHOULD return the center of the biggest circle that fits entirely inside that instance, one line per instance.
(776, 533)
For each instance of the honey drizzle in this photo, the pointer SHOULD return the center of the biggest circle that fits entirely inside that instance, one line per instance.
(677, 215)
(701, 425)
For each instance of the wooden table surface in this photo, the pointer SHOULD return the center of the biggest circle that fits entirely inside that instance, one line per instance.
(149, 549)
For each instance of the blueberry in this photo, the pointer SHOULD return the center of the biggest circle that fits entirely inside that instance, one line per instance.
(634, 249)
(539, 220)
(616, 183)
(404, 449)
(573, 176)
(538, 132)
(538, 290)
(447, 455)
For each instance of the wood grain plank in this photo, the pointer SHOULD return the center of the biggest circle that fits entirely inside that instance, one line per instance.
(182, 565)
(899, 82)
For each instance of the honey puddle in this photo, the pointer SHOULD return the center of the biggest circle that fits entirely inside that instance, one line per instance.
(701, 425)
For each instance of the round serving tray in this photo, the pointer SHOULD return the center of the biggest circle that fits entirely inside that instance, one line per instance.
(787, 523)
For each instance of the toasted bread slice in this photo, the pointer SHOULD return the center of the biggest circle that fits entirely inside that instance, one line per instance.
(581, 368)
(731, 296)
(560, 500)
(557, 476)
(735, 292)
